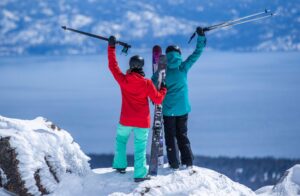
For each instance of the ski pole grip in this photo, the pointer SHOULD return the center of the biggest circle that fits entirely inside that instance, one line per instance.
(205, 29)
(125, 46)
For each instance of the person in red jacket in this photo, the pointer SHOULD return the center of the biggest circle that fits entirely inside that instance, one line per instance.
(135, 113)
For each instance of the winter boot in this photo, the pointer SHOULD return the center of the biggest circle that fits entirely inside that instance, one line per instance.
(142, 179)
(121, 170)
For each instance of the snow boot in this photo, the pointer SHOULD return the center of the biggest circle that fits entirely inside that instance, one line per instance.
(121, 170)
(142, 179)
(188, 167)
(172, 169)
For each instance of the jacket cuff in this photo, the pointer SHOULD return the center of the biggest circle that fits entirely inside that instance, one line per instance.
(163, 89)
(201, 40)
(111, 47)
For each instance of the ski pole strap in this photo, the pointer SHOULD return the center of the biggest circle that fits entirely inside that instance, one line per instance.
(192, 37)
(125, 45)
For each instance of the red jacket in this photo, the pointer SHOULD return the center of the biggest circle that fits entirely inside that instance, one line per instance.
(135, 92)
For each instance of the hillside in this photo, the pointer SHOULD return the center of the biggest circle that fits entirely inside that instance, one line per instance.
(33, 27)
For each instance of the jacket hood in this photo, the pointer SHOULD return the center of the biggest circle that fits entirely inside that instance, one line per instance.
(174, 60)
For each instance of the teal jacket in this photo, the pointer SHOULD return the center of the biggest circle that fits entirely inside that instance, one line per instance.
(176, 102)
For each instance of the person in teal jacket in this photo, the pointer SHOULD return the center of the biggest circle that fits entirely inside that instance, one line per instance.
(176, 104)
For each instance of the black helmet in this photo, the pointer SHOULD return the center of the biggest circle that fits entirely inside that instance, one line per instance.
(136, 62)
(172, 48)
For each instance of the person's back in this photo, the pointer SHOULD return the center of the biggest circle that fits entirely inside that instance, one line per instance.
(135, 113)
(135, 92)
(176, 104)
(176, 100)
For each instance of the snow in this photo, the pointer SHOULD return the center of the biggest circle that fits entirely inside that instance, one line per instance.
(38, 143)
(10, 15)
(142, 23)
(160, 25)
(8, 22)
(3, 178)
(288, 185)
(80, 20)
(106, 181)
(284, 43)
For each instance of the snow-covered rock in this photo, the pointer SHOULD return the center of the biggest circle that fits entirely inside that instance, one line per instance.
(36, 154)
(288, 185)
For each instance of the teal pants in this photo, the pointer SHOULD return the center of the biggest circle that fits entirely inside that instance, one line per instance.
(140, 145)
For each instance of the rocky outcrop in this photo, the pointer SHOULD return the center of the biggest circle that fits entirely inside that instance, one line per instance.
(288, 185)
(35, 155)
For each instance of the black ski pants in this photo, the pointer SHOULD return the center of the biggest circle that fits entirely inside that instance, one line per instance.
(175, 128)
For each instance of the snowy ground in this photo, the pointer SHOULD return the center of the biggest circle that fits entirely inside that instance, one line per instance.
(33, 139)
(203, 182)
(108, 182)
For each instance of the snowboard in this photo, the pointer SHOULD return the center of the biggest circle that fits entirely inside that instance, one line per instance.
(157, 156)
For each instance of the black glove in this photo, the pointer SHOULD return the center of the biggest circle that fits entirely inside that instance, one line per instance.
(163, 84)
(112, 41)
(200, 31)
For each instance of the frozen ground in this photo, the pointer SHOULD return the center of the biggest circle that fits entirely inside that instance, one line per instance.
(243, 104)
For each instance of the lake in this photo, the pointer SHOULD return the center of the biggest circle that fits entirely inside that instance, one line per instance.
(243, 104)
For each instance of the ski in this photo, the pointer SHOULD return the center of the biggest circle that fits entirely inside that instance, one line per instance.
(157, 156)
(162, 65)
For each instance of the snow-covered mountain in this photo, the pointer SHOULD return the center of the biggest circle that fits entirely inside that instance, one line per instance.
(33, 27)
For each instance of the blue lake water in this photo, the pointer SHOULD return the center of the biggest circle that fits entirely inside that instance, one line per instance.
(243, 104)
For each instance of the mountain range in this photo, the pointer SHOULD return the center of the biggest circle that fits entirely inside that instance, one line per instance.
(33, 27)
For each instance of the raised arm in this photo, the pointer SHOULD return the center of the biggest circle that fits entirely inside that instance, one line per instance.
(201, 42)
(112, 62)
(156, 96)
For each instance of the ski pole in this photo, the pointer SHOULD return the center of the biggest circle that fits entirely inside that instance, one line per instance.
(242, 22)
(239, 19)
(250, 18)
(125, 45)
